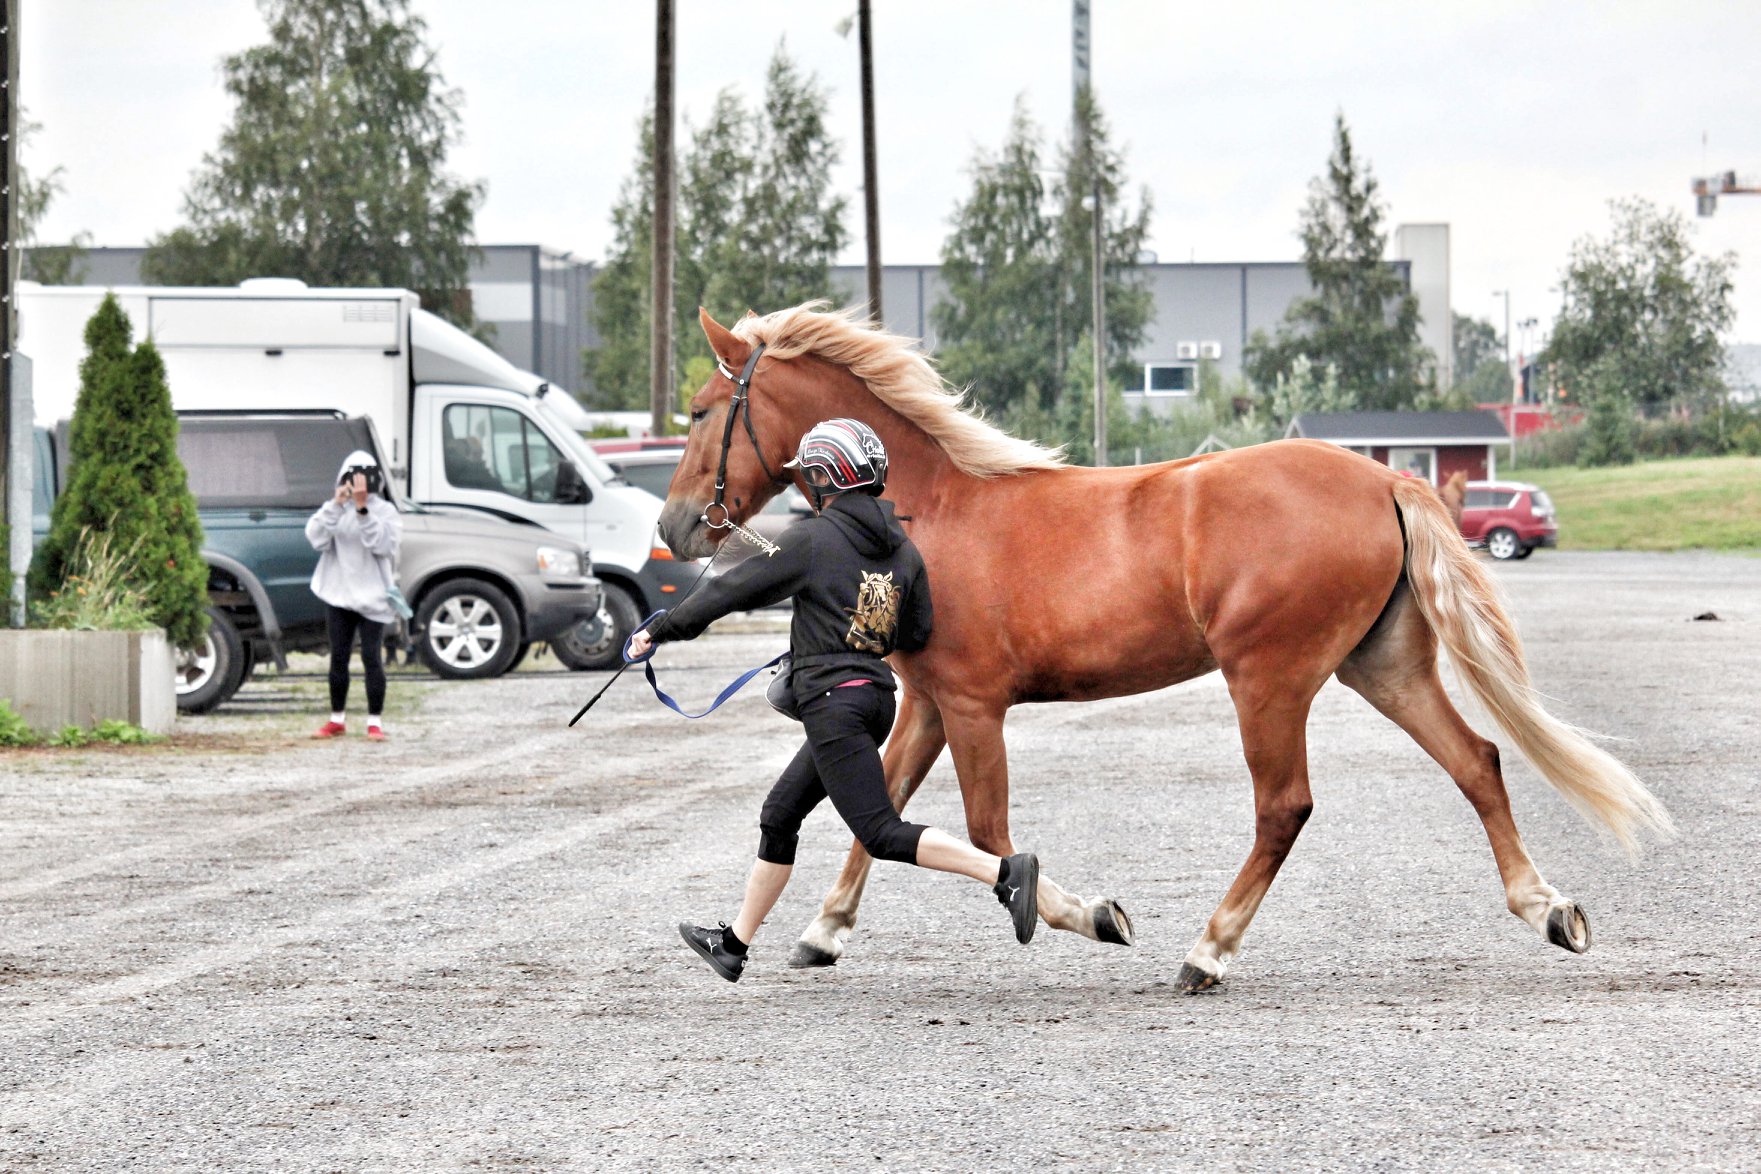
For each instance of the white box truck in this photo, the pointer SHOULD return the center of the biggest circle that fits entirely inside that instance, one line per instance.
(462, 427)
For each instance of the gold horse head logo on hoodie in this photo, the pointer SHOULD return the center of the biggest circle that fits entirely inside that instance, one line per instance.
(875, 615)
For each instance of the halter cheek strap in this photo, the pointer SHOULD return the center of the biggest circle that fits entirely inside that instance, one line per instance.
(742, 395)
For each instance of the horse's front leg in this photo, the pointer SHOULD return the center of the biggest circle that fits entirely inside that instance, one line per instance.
(916, 741)
(975, 736)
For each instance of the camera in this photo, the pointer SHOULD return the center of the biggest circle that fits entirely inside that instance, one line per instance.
(375, 479)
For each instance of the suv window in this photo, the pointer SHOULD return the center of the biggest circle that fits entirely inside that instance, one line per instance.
(1490, 499)
(498, 449)
(285, 463)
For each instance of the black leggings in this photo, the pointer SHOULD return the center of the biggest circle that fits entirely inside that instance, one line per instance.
(343, 625)
(840, 758)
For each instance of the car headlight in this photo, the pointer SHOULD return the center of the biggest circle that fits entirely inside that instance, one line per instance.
(560, 563)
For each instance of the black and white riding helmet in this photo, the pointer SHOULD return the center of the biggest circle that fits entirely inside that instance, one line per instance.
(839, 455)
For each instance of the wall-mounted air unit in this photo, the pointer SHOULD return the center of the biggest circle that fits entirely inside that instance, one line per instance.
(1186, 350)
(1210, 350)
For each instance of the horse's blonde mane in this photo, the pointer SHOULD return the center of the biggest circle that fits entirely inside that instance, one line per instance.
(904, 379)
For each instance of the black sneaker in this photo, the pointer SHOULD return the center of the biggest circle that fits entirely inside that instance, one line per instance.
(708, 942)
(1020, 894)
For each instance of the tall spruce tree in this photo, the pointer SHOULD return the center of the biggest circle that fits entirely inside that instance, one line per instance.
(758, 227)
(126, 480)
(787, 224)
(334, 167)
(999, 329)
(1019, 266)
(1361, 320)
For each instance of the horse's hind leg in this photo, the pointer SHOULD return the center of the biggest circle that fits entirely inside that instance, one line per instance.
(1272, 718)
(911, 750)
(1395, 669)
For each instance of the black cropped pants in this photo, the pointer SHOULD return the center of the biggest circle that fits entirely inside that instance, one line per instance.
(342, 625)
(841, 758)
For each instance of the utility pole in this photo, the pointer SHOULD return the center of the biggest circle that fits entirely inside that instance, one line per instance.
(870, 180)
(1081, 44)
(15, 434)
(1505, 294)
(660, 353)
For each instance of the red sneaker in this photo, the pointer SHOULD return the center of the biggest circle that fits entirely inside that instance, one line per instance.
(330, 730)
(375, 734)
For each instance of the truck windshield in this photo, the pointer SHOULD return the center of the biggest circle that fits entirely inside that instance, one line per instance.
(578, 450)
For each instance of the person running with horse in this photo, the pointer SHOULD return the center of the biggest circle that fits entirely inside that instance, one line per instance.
(860, 593)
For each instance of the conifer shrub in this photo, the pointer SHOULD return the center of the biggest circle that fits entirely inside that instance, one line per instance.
(127, 483)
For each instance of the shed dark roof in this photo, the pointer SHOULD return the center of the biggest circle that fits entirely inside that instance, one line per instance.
(1400, 427)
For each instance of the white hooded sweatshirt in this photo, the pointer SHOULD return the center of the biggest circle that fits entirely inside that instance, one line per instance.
(349, 545)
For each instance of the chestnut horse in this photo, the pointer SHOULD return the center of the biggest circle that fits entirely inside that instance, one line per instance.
(1280, 565)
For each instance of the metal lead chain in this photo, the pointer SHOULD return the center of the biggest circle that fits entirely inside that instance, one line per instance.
(754, 537)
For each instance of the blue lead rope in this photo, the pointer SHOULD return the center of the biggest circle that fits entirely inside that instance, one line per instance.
(648, 669)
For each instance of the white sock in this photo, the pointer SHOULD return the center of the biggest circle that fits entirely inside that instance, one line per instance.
(337, 717)
(373, 723)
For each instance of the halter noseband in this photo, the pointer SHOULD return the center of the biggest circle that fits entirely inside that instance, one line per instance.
(742, 395)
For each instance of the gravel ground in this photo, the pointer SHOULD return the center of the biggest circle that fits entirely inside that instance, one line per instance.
(247, 950)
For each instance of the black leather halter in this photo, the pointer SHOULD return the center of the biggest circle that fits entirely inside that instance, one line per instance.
(742, 395)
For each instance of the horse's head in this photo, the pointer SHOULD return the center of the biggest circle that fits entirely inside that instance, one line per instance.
(746, 432)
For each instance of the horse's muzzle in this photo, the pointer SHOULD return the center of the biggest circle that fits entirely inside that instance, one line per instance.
(682, 529)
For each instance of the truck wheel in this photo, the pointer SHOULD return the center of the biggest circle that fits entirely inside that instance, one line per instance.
(519, 656)
(210, 673)
(607, 652)
(469, 630)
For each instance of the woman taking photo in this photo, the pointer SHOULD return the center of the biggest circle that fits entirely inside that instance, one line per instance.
(356, 534)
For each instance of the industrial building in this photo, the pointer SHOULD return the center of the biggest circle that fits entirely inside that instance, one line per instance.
(536, 305)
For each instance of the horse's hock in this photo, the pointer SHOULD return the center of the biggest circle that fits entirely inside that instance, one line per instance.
(55, 679)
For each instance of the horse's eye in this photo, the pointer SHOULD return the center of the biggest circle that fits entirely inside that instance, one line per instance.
(698, 414)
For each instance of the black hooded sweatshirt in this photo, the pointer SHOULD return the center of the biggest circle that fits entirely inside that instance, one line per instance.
(859, 587)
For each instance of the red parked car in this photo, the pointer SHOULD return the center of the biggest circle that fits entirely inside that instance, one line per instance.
(1508, 518)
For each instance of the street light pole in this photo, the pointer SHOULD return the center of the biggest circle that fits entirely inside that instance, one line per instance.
(1505, 294)
(1081, 50)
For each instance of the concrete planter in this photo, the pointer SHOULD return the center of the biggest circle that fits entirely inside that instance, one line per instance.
(55, 678)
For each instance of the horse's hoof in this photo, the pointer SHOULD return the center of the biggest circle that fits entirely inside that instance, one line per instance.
(1192, 980)
(1112, 926)
(1569, 928)
(806, 956)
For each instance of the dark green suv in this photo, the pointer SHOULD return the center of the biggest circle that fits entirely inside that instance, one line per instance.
(484, 590)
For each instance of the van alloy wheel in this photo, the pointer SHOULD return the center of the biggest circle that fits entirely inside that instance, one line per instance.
(1503, 543)
(470, 630)
(600, 646)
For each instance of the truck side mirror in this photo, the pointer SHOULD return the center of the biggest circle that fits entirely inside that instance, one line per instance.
(570, 488)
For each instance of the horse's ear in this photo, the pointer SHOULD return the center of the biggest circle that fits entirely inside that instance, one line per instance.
(730, 350)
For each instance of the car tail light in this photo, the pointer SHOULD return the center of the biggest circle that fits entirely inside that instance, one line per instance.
(662, 553)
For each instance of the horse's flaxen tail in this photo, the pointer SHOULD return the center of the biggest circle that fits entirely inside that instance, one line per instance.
(1466, 610)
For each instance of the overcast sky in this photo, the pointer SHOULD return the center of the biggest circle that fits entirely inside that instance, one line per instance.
(1513, 123)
